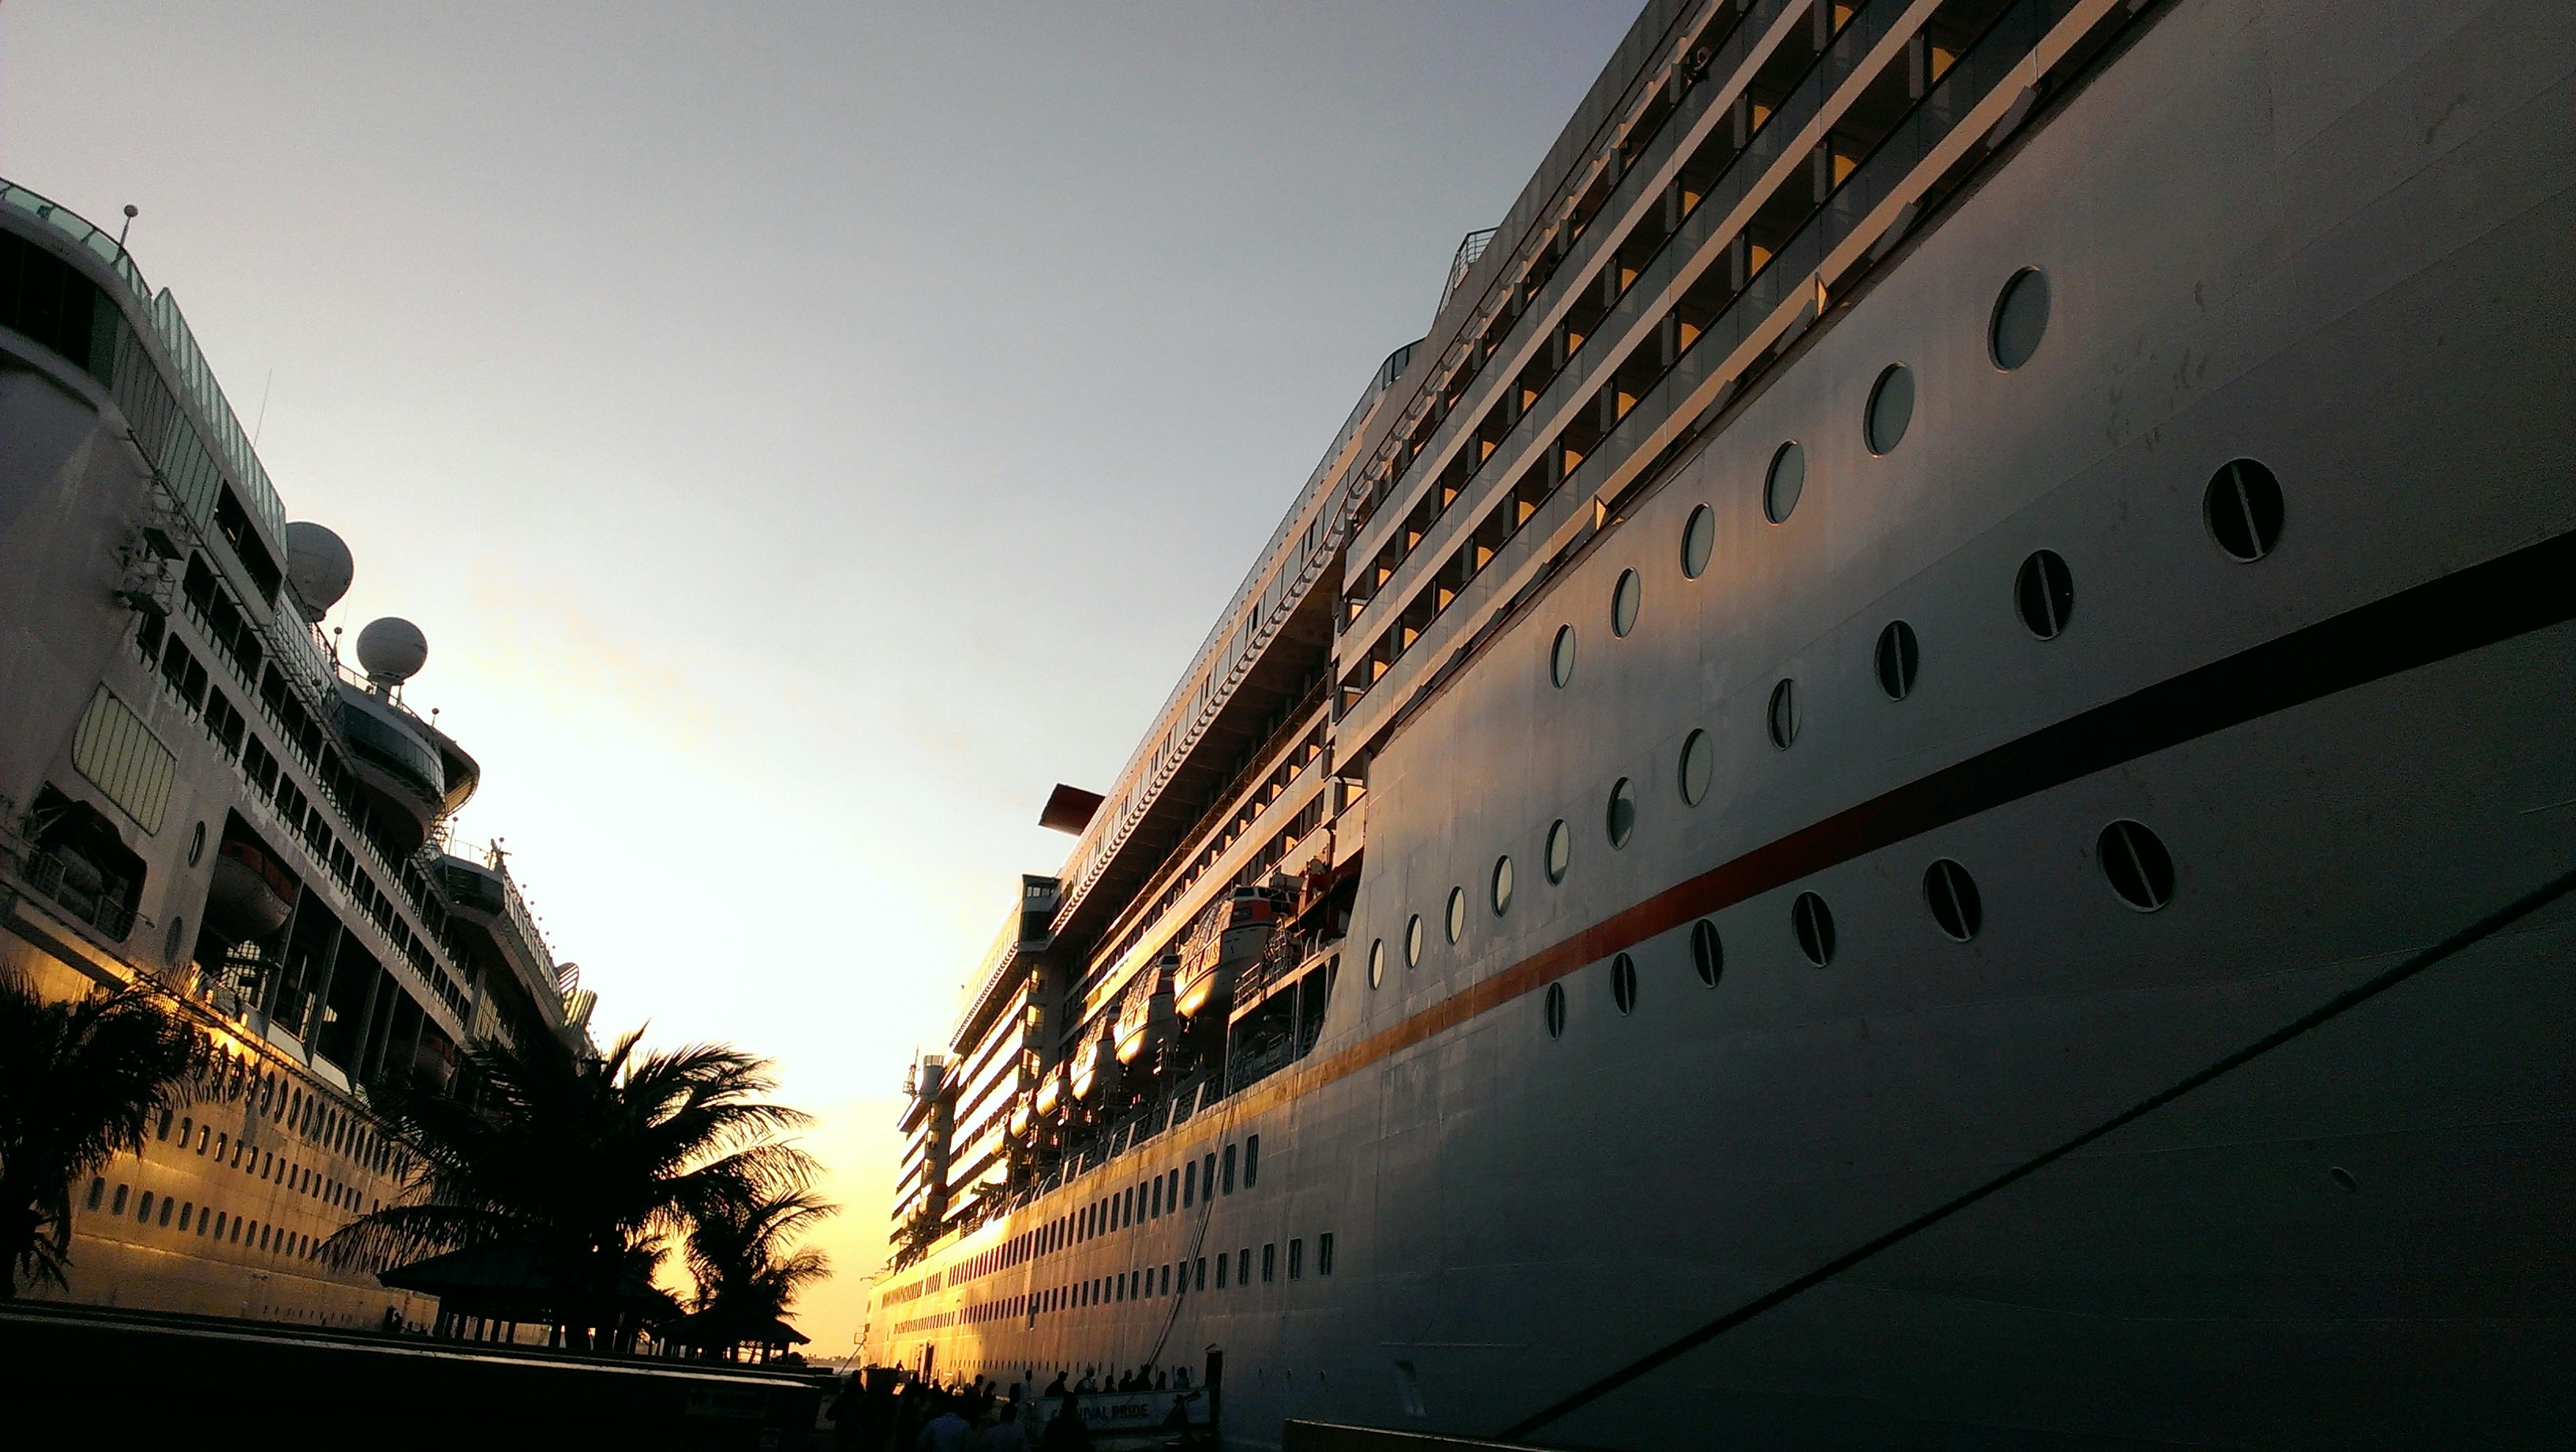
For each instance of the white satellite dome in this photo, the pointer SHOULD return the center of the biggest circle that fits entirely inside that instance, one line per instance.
(392, 650)
(318, 564)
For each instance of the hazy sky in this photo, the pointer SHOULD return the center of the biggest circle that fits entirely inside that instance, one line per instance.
(805, 433)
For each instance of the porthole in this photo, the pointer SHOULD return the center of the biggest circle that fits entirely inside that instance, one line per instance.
(2243, 510)
(1623, 983)
(1898, 658)
(1413, 941)
(1699, 763)
(196, 844)
(1560, 850)
(1560, 657)
(2044, 592)
(1814, 924)
(1708, 952)
(1699, 537)
(1623, 812)
(1891, 409)
(1952, 895)
(1377, 962)
(2141, 871)
(1783, 714)
(1623, 603)
(1786, 479)
(1555, 1013)
(2021, 319)
(1502, 885)
(1455, 923)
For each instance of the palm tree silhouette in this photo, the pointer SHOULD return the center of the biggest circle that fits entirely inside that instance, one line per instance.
(588, 1166)
(80, 1083)
(738, 1255)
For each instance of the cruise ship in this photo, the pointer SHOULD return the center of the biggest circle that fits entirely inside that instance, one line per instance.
(1908, 785)
(197, 796)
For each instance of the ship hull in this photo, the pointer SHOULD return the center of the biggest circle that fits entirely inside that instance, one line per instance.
(2328, 238)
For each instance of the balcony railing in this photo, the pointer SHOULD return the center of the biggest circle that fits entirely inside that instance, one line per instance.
(44, 872)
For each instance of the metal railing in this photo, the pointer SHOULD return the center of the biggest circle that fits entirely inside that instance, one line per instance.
(44, 871)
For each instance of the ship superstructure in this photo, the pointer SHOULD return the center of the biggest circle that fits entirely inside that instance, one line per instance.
(1947, 568)
(197, 795)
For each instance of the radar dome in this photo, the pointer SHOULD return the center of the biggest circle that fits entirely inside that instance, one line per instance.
(318, 563)
(392, 650)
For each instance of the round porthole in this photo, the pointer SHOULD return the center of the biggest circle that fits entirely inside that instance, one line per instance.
(1782, 716)
(1413, 941)
(2243, 510)
(1555, 1013)
(1502, 885)
(1455, 925)
(2044, 593)
(1377, 962)
(1891, 409)
(1708, 954)
(1560, 657)
(1623, 812)
(1699, 536)
(1813, 922)
(1623, 983)
(196, 844)
(2135, 860)
(1898, 658)
(1699, 762)
(1952, 895)
(1560, 850)
(1623, 603)
(2021, 317)
(1785, 481)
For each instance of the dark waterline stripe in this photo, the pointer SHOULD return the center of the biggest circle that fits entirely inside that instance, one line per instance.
(2529, 589)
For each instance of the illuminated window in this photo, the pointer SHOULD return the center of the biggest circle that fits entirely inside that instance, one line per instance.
(1455, 924)
(1502, 893)
(1413, 941)
(1377, 962)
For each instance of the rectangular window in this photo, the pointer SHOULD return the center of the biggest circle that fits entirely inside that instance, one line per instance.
(1229, 1169)
(1207, 1175)
(1324, 1254)
(1222, 1262)
(1296, 1259)
(1172, 1189)
(1198, 1282)
(1157, 1212)
(1251, 1161)
(1189, 1184)
(1269, 1262)
(1127, 1206)
(1167, 1281)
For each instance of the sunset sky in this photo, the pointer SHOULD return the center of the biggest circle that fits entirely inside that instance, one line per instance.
(804, 433)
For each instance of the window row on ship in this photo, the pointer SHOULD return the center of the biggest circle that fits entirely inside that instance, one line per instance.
(1629, 326)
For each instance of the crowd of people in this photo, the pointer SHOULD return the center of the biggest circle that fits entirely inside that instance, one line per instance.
(884, 1409)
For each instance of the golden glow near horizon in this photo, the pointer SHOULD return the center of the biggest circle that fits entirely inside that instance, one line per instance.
(803, 435)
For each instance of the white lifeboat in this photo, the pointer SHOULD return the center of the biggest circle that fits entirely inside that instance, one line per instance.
(1231, 933)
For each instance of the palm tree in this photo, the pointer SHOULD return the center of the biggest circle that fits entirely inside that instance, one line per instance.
(739, 1257)
(80, 1083)
(587, 1165)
